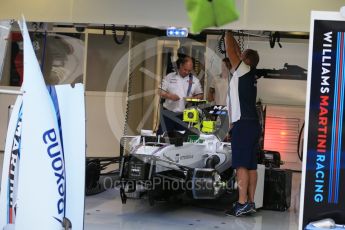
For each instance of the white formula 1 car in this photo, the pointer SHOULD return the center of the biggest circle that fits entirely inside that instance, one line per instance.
(164, 167)
(160, 167)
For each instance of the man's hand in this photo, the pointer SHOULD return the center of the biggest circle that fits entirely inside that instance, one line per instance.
(174, 97)
(170, 96)
(199, 96)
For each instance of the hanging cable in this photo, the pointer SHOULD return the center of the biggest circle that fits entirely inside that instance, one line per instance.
(221, 44)
(273, 38)
(44, 51)
(116, 39)
(300, 141)
(124, 141)
(104, 30)
(247, 41)
(240, 39)
(197, 67)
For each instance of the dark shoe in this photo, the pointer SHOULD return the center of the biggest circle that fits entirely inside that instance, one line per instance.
(252, 207)
(239, 209)
(230, 212)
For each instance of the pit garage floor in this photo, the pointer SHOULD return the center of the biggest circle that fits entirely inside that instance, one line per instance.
(105, 211)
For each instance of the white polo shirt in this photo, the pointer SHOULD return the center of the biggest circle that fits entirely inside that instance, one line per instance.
(174, 83)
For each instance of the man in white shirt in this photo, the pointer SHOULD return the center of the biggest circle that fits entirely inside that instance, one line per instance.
(219, 85)
(175, 88)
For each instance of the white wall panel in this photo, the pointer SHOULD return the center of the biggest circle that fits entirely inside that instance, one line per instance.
(104, 123)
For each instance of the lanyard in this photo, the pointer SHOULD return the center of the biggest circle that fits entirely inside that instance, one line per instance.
(190, 84)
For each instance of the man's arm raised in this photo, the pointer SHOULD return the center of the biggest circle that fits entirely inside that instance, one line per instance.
(233, 51)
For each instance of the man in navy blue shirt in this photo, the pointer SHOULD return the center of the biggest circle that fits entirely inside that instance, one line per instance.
(245, 123)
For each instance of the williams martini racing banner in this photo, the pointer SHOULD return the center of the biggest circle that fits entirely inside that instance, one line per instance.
(323, 179)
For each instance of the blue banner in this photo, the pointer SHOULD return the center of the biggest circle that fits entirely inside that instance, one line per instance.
(324, 193)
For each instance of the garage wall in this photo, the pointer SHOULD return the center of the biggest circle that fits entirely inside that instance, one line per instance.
(104, 123)
(106, 92)
(142, 83)
(105, 127)
(106, 80)
(282, 91)
(283, 15)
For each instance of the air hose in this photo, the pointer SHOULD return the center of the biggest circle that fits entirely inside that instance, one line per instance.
(299, 152)
(116, 39)
(221, 44)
